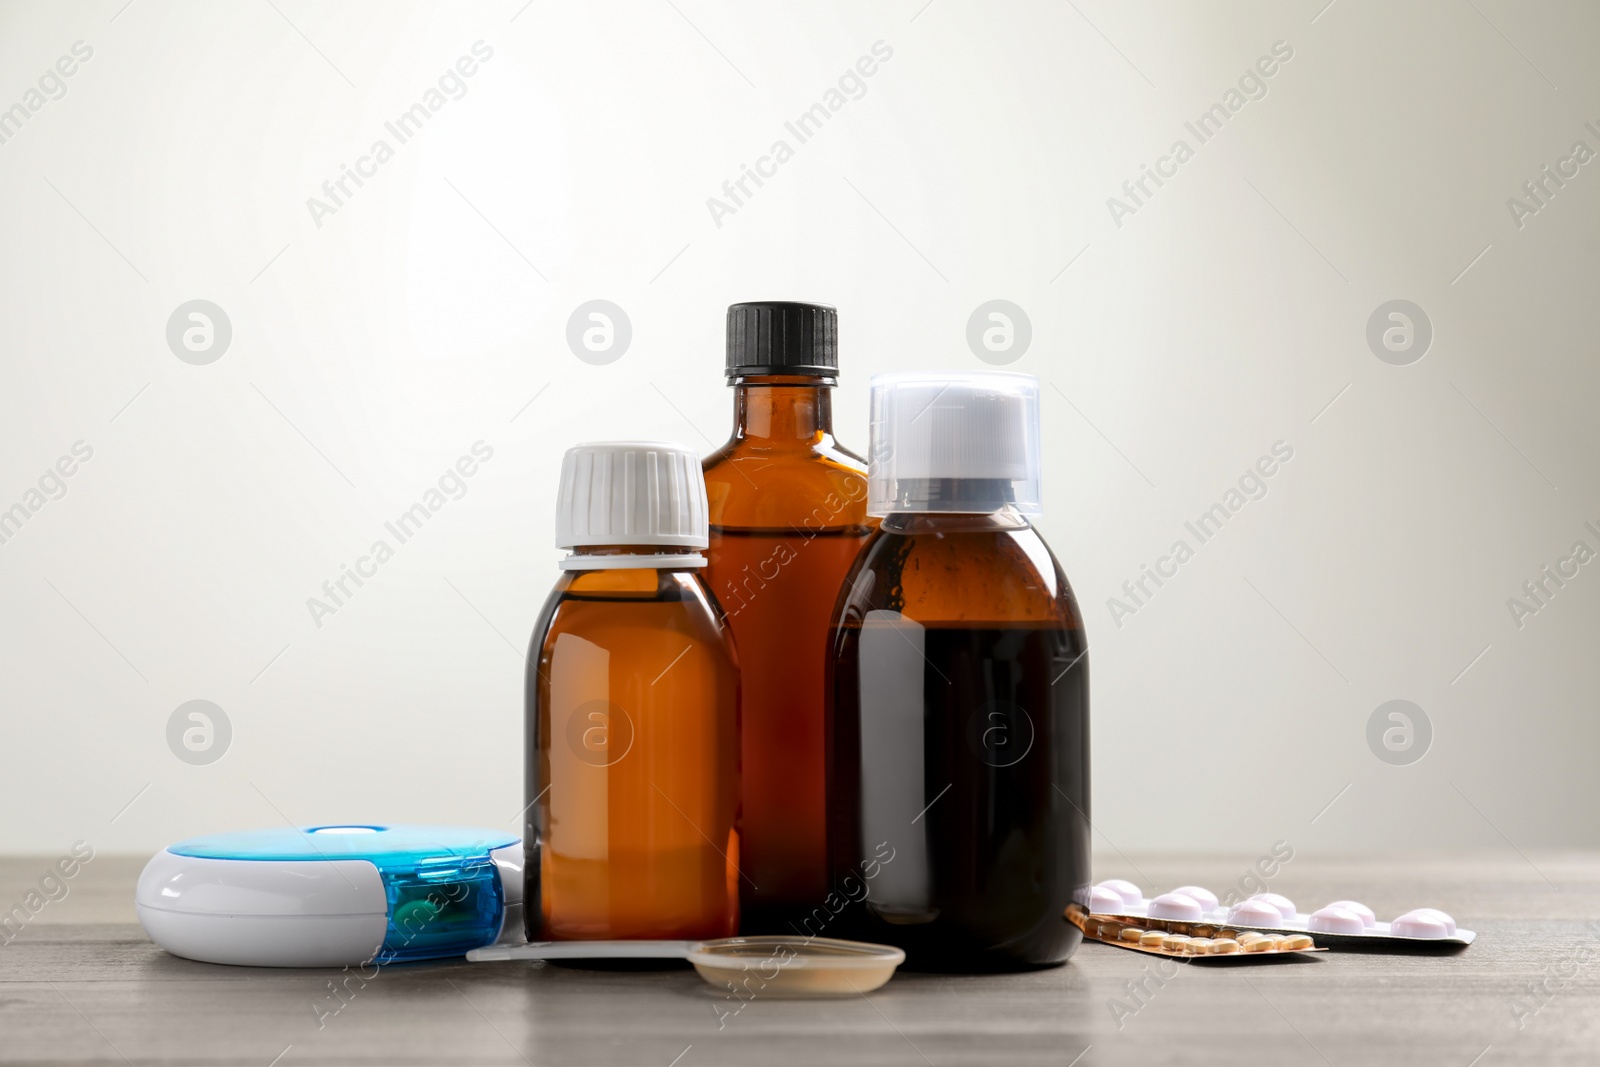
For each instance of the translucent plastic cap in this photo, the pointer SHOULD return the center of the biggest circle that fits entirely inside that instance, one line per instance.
(966, 442)
(631, 493)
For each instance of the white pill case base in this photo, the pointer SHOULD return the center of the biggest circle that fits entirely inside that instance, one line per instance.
(328, 911)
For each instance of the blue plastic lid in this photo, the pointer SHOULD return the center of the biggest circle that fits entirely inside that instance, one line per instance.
(443, 888)
(383, 846)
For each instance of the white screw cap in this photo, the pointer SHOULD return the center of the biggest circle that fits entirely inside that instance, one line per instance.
(631, 493)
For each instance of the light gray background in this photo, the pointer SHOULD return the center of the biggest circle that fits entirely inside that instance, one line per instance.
(430, 313)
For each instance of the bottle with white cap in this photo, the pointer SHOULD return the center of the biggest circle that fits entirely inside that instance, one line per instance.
(632, 712)
(958, 690)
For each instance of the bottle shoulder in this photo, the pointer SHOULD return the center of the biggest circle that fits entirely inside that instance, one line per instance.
(766, 488)
(1000, 576)
(594, 603)
(823, 451)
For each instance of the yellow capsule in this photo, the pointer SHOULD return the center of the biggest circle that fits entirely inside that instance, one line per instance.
(1152, 938)
(1224, 945)
(1198, 946)
(1175, 942)
(1296, 942)
(1130, 933)
(1259, 944)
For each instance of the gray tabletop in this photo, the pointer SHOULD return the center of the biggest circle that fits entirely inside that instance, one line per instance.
(81, 984)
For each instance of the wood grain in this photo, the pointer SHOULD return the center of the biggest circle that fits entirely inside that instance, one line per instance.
(82, 985)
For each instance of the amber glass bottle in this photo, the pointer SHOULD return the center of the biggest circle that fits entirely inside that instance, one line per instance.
(788, 515)
(959, 713)
(632, 686)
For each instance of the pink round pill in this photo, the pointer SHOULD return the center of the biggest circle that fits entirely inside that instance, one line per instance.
(1284, 905)
(1368, 918)
(1199, 894)
(1254, 913)
(1129, 892)
(1450, 924)
(1104, 901)
(1333, 920)
(1176, 906)
(1420, 923)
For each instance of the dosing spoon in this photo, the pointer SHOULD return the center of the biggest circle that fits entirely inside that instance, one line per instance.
(817, 966)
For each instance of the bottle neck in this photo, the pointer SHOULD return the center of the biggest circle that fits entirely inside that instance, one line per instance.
(783, 410)
(633, 557)
(1001, 520)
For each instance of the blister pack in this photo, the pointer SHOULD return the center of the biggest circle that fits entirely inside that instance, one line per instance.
(1190, 941)
(1343, 924)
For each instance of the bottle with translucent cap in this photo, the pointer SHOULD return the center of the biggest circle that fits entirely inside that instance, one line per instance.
(963, 443)
(632, 742)
(958, 688)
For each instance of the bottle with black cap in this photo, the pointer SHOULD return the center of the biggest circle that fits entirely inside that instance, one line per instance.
(788, 509)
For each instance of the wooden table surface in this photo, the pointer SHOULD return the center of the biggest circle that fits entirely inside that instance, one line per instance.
(81, 984)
